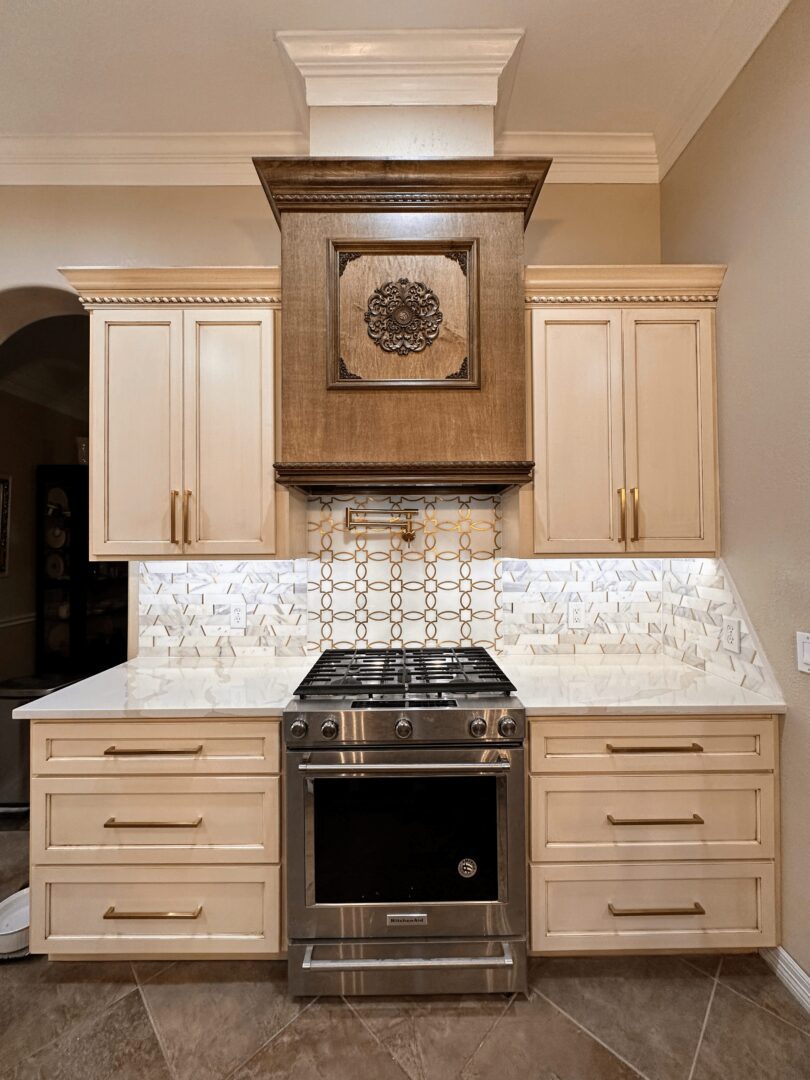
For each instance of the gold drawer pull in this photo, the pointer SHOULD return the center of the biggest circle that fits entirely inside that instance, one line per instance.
(149, 751)
(695, 819)
(695, 909)
(173, 515)
(111, 913)
(693, 748)
(111, 823)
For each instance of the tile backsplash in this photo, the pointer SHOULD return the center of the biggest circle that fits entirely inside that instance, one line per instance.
(450, 586)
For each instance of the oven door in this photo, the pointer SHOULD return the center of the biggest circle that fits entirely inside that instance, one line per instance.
(405, 843)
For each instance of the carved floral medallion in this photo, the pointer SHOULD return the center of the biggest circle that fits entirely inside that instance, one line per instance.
(403, 317)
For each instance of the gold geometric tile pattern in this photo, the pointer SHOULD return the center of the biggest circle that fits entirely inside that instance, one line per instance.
(369, 588)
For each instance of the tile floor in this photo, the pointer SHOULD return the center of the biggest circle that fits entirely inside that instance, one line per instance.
(624, 1018)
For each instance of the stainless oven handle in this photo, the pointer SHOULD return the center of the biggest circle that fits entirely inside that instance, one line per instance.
(413, 769)
(399, 962)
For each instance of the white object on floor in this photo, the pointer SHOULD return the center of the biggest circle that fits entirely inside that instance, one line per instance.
(14, 922)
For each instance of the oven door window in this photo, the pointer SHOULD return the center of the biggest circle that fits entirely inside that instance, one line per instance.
(405, 839)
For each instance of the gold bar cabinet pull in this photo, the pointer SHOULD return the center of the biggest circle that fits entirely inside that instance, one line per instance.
(186, 497)
(634, 495)
(618, 913)
(693, 748)
(148, 751)
(695, 819)
(111, 913)
(112, 823)
(622, 493)
(173, 514)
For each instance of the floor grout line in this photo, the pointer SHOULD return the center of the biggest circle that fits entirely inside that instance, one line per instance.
(376, 1037)
(512, 998)
(765, 1009)
(71, 1029)
(704, 1025)
(266, 1043)
(591, 1035)
(169, 1066)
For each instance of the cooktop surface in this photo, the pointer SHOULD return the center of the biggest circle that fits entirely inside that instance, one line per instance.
(403, 672)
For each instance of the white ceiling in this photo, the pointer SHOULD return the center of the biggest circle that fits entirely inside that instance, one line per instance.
(196, 67)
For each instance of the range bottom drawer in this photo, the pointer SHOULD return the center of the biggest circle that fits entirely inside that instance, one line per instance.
(153, 911)
(632, 907)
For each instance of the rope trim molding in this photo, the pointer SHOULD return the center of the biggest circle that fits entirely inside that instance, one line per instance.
(640, 298)
(180, 299)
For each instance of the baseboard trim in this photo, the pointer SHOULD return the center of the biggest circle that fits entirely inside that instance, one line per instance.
(794, 977)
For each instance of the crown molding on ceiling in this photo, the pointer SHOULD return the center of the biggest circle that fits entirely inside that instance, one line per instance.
(224, 159)
(738, 35)
(400, 67)
(132, 159)
(587, 157)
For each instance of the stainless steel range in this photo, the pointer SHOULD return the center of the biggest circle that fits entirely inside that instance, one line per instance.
(405, 825)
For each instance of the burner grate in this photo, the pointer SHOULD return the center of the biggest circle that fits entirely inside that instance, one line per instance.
(398, 672)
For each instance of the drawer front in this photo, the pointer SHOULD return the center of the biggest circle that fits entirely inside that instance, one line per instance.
(578, 818)
(154, 748)
(161, 820)
(186, 911)
(663, 744)
(593, 908)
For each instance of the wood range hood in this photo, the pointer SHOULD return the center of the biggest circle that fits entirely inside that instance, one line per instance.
(403, 362)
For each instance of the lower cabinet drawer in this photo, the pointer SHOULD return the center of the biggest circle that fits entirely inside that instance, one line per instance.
(685, 816)
(154, 820)
(632, 907)
(155, 747)
(154, 911)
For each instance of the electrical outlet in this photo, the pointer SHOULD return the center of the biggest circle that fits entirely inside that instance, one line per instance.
(730, 635)
(577, 616)
(803, 651)
(238, 615)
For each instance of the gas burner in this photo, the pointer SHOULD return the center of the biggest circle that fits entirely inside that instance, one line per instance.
(404, 672)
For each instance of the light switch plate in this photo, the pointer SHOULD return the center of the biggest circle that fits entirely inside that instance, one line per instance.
(730, 635)
(577, 616)
(803, 651)
(238, 615)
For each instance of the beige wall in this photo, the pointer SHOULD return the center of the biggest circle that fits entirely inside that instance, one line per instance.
(47, 227)
(741, 194)
(30, 435)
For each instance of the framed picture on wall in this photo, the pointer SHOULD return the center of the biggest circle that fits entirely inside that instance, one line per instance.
(5, 511)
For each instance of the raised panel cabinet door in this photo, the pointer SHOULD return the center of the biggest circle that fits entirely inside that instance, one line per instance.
(670, 429)
(136, 367)
(228, 500)
(578, 451)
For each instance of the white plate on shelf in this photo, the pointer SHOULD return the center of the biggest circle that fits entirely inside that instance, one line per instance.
(14, 922)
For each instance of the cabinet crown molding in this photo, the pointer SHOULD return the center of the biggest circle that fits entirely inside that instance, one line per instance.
(101, 285)
(434, 185)
(651, 284)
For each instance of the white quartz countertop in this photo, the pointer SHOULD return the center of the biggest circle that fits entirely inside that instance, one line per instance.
(546, 685)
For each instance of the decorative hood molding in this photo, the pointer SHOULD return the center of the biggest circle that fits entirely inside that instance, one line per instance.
(440, 185)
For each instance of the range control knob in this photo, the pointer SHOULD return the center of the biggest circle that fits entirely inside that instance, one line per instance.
(478, 727)
(403, 728)
(507, 727)
(299, 727)
(329, 728)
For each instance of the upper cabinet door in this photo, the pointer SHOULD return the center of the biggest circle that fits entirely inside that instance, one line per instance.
(228, 498)
(578, 441)
(670, 430)
(136, 432)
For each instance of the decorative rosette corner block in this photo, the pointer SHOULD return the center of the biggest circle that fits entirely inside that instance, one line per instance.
(403, 317)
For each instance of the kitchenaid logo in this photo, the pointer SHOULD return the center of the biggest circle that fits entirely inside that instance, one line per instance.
(407, 920)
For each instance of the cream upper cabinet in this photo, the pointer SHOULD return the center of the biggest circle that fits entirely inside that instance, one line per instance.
(670, 429)
(136, 433)
(579, 463)
(623, 406)
(182, 441)
(228, 432)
